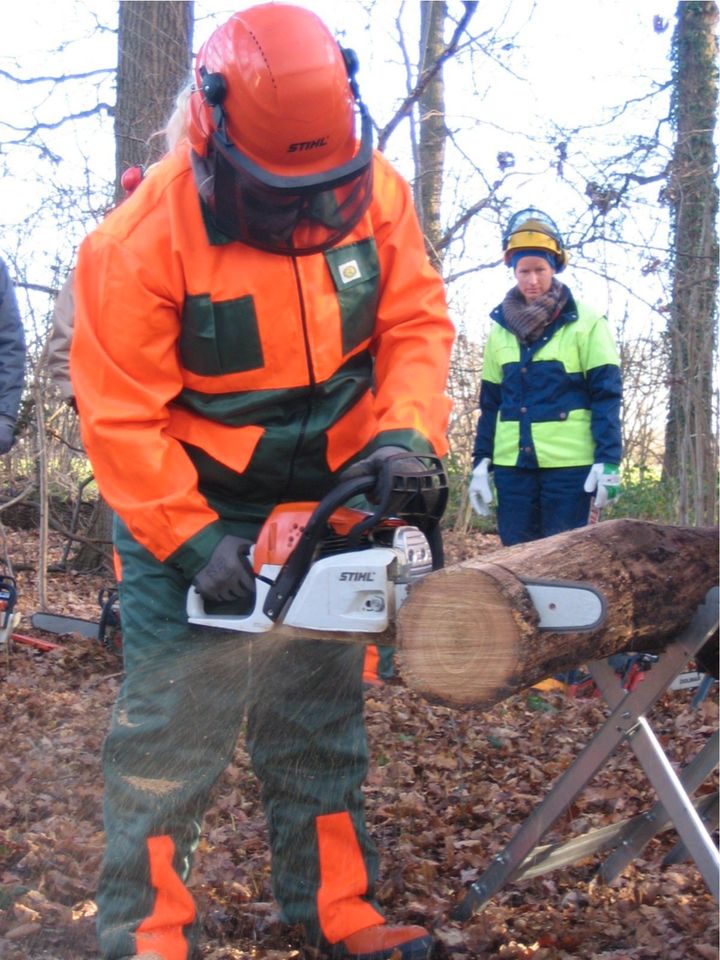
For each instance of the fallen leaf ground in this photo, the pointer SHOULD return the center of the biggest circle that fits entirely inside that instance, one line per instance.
(447, 790)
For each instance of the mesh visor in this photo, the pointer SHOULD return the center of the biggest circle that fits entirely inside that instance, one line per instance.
(288, 215)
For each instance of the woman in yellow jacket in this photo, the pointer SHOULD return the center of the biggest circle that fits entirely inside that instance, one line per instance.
(257, 319)
(550, 396)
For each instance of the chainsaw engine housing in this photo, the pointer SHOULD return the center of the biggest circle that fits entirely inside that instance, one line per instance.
(361, 591)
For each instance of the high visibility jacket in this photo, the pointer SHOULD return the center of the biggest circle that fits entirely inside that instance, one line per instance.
(214, 380)
(554, 402)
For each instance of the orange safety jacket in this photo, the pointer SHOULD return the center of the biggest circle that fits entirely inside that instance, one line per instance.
(214, 380)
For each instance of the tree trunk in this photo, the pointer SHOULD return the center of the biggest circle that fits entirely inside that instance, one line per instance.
(468, 635)
(44, 512)
(94, 555)
(430, 161)
(154, 55)
(690, 444)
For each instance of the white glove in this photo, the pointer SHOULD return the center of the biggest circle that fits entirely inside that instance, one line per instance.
(605, 479)
(480, 491)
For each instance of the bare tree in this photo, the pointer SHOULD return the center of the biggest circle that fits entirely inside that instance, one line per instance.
(691, 454)
(430, 154)
(154, 57)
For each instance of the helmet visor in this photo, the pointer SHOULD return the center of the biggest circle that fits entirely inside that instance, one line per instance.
(534, 220)
(294, 215)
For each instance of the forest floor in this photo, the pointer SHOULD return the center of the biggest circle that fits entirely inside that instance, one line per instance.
(446, 791)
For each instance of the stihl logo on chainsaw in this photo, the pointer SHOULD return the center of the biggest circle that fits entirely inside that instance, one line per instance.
(356, 575)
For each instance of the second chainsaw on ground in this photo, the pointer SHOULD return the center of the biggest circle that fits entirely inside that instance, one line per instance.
(330, 567)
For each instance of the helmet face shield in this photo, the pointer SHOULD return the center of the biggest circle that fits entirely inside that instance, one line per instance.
(293, 215)
(530, 219)
(532, 229)
(273, 128)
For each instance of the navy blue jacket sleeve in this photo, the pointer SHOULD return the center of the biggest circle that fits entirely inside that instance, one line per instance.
(485, 435)
(605, 386)
(12, 348)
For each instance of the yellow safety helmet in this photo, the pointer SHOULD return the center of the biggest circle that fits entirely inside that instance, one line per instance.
(531, 229)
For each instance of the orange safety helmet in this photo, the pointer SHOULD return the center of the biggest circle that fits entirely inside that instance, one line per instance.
(272, 116)
(283, 84)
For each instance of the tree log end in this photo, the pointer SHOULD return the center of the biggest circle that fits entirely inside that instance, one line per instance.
(452, 652)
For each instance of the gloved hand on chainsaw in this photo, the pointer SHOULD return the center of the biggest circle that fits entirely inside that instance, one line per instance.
(480, 491)
(373, 464)
(228, 574)
(604, 481)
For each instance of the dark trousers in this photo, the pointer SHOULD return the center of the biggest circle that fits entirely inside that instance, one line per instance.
(532, 504)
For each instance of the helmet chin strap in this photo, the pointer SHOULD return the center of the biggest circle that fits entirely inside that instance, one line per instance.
(219, 119)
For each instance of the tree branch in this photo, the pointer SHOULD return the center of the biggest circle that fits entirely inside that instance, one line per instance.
(30, 81)
(427, 74)
(83, 115)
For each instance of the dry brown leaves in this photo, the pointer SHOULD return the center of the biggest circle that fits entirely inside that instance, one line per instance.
(446, 791)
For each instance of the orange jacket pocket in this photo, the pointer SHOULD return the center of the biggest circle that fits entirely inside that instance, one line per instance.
(231, 446)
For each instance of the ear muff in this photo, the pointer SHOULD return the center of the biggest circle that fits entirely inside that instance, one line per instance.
(213, 87)
(352, 65)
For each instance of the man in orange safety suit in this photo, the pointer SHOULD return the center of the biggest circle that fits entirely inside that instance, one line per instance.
(256, 321)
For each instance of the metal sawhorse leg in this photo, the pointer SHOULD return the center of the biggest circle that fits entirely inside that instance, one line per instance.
(523, 858)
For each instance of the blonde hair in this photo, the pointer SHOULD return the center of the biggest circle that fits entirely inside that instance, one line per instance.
(176, 129)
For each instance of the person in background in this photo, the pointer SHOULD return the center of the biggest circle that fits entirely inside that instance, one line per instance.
(57, 346)
(549, 427)
(12, 359)
(259, 320)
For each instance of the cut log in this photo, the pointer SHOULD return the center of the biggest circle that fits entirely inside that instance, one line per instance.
(469, 635)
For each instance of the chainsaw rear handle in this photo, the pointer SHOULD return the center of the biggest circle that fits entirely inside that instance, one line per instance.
(390, 485)
(397, 492)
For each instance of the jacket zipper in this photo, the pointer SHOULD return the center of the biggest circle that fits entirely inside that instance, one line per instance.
(311, 372)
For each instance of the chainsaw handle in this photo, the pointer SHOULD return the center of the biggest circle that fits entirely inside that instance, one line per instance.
(387, 483)
(297, 564)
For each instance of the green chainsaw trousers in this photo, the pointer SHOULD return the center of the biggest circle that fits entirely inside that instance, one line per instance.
(186, 693)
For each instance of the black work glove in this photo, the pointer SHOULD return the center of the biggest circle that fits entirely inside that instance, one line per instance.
(7, 432)
(228, 574)
(372, 467)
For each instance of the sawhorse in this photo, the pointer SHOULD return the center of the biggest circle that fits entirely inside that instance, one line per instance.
(523, 857)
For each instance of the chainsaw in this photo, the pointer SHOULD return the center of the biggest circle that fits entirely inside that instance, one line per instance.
(329, 567)
(106, 629)
(8, 616)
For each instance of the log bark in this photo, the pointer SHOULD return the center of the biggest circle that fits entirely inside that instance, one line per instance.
(468, 635)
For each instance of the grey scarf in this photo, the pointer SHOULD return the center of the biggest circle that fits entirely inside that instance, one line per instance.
(528, 320)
